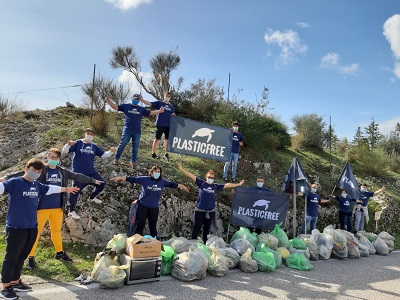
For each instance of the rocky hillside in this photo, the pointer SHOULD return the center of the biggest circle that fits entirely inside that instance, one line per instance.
(29, 134)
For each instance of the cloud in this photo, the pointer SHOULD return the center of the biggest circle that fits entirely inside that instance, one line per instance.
(128, 4)
(332, 61)
(386, 127)
(128, 78)
(391, 30)
(303, 25)
(289, 43)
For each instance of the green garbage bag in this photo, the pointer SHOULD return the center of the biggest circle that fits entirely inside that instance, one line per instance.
(167, 256)
(204, 249)
(283, 240)
(262, 247)
(299, 262)
(250, 236)
(265, 261)
(298, 244)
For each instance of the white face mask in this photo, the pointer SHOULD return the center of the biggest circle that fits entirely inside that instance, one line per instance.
(210, 180)
(89, 137)
(166, 99)
(32, 175)
(260, 184)
(235, 128)
(363, 190)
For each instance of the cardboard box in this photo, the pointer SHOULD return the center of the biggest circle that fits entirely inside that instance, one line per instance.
(141, 269)
(139, 247)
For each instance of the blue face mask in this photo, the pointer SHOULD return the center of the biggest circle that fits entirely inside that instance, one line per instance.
(344, 195)
(53, 162)
(135, 102)
(156, 175)
(313, 190)
(260, 184)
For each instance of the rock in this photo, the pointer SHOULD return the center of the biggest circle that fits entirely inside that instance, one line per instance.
(69, 104)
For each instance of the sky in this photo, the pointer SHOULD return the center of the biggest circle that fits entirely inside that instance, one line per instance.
(338, 59)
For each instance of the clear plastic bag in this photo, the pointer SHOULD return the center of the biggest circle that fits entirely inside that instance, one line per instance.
(112, 277)
(247, 263)
(181, 245)
(299, 262)
(265, 261)
(283, 240)
(270, 240)
(190, 265)
(241, 245)
(217, 264)
(103, 261)
(118, 243)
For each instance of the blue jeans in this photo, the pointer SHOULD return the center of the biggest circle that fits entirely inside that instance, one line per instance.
(311, 221)
(234, 158)
(127, 135)
(359, 220)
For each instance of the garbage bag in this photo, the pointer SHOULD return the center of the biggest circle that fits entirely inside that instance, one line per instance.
(352, 244)
(169, 242)
(103, 261)
(338, 241)
(117, 243)
(283, 240)
(313, 247)
(298, 244)
(284, 252)
(388, 239)
(369, 235)
(204, 249)
(181, 245)
(380, 246)
(112, 277)
(364, 241)
(270, 240)
(299, 262)
(232, 256)
(241, 245)
(265, 261)
(217, 264)
(245, 232)
(306, 252)
(167, 256)
(262, 247)
(190, 265)
(215, 241)
(247, 263)
(364, 251)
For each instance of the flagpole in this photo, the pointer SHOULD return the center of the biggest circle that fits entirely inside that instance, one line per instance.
(305, 215)
(294, 198)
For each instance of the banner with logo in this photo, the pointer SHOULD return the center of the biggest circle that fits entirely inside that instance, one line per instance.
(348, 182)
(259, 209)
(199, 139)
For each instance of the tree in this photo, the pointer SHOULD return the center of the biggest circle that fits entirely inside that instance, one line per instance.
(373, 134)
(359, 138)
(162, 65)
(8, 106)
(312, 128)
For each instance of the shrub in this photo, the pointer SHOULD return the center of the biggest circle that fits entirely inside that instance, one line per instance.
(100, 123)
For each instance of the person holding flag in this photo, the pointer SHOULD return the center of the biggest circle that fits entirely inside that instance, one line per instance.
(361, 208)
(259, 187)
(312, 199)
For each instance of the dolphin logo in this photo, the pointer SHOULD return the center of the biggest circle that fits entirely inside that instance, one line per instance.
(262, 202)
(202, 132)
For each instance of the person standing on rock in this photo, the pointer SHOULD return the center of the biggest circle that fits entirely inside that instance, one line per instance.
(21, 223)
(237, 142)
(162, 122)
(84, 151)
(361, 208)
(152, 188)
(132, 125)
(205, 204)
(50, 207)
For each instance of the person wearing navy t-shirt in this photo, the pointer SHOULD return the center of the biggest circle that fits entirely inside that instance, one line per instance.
(205, 204)
(162, 122)
(237, 142)
(84, 153)
(152, 188)
(361, 208)
(132, 125)
(344, 211)
(21, 223)
(259, 187)
(313, 199)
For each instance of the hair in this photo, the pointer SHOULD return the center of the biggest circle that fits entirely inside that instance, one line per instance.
(155, 167)
(363, 184)
(55, 150)
(36, 163)
(260, 177)
(235, 123)
(210, 172)
(166, 93)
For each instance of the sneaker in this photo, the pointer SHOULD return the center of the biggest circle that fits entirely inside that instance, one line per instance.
(166, 157)
(21, 287)
(8, 293)
(233, 180)
(155, 156)
(74, 215)
(62, 255)
(115, 162)
(96, 200)
(225, 179)
(31, 265)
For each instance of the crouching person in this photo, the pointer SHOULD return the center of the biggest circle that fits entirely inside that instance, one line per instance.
(21, 223)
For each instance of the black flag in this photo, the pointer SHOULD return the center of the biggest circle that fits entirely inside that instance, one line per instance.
(299, 177)
(348, 183)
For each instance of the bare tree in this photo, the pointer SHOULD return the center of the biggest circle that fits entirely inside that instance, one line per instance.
(162, 65)
(8, 106)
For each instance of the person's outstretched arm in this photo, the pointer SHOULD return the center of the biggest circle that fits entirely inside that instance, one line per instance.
(380, 191)
(187, 173)
(233, 185)
(112, 104)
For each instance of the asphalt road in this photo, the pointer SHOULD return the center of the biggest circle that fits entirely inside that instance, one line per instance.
(375, 277)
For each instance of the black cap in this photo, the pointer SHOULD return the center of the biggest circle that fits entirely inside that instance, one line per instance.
(136, 96)
(90, 129)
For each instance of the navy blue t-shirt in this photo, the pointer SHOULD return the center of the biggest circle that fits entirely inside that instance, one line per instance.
(133, 116)
(236, 139)
(312, 204)
(164, 118)
(53, 177)
(206, 197)
(83, 157)
(23, 197)
(151, 189)
(365, 197)
(344, 204)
